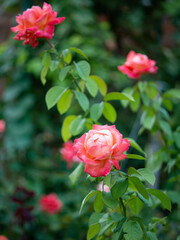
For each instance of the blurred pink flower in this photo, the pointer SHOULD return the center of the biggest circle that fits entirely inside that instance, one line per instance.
(137, 64)
(69, 154)
(101, 147)
(2, 126)
(36, 23)
(100, 187)
(3, 237)
(50, 204)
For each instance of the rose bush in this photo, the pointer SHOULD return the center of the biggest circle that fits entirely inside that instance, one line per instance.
(101, 147)
(36, 23)
(137, 64)
(50, 204)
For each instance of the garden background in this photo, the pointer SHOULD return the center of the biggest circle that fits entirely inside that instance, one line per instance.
(29, 155)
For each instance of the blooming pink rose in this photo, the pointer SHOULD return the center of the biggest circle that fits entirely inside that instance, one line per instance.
(2, 126)
(50, 203)
(101, 147)
(100, 187)
(137, 64)
(3, 237)
(69, 154)
(36, 23)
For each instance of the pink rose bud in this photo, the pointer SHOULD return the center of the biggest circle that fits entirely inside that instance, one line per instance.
(3, 237)
(2, 126)
(36, 23)
(137, 64)
(69, 154)
(100, 187)
(101, 147)
(50, 204)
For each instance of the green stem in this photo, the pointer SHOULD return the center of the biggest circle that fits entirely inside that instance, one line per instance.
(53, 47)
(121, 204)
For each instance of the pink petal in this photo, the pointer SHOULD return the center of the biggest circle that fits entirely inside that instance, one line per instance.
(101, 169)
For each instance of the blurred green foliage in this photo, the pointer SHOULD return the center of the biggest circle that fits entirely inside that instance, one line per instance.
(29, 154)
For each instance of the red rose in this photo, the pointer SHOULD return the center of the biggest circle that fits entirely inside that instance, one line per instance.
(50, 203)
(36, 23)
(101, 147)
(137, 64)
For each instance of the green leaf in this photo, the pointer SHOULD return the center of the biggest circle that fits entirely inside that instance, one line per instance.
(135, 105)
(77, 125)
(133, 171)
(143, 174)
(66, 135)
(96, 111)
(152, 236)
(53, 95)
(139, 186)
(93, 231)
(91, 87)
(135, 156)
(145, 99)
(168, 104)
(118, 96)
(119, 188)
(46, 61)
(152, 90)
(54, 65)
(98, 203)
(165, 127)
(142, 86)
(134, 144)
(75, 175)
(135, 205)
(108, 200)
(148, 119)
(109, 112)
(177, 139)
(88, 196)
(147, 175)
(100, 83)
(43, 75)
(172, 93)
(166, 203)
(77, 50)
(128, 90)
(95, 217)
(67, 56)
(83, 69)
(83, 100)
(64, 102)
(132, 230)
(64, 72)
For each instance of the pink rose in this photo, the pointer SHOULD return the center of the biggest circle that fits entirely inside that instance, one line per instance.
(101, 147)
(100, 187)
(50, 203)
(137, 64)
(36, 23)
(3, 237)
(2, 126)
(69, 154)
